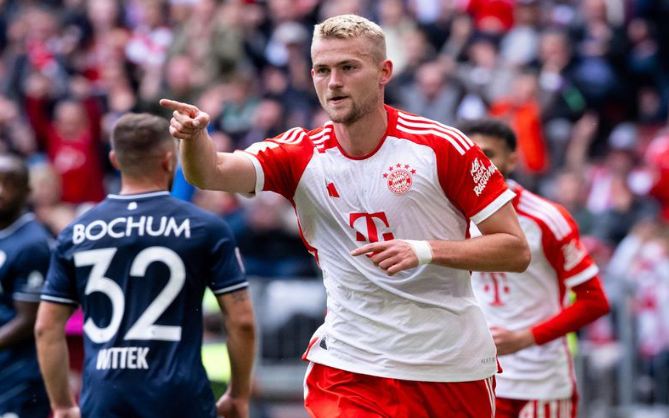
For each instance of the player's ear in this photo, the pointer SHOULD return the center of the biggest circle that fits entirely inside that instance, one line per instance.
(386, 72)
(169, 162)
(114, 161)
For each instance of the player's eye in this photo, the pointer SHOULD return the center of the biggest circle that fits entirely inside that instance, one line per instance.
(321, 70)
(348, 68)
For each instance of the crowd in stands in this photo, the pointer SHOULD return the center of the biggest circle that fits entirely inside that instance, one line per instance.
(585, 84)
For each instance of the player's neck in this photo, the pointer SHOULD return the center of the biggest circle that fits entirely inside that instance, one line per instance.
(139, 186)
(362, 137)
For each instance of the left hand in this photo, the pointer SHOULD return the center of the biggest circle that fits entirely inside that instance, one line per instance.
(229, 407)
(392, 256)
(509, 342)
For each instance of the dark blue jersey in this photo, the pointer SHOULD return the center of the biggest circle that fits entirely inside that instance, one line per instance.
(139, 266)
(24, 260)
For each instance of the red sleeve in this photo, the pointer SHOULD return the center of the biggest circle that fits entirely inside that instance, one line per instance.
(565, 251)
(38, 119)
(280, 161)
(470, 180)
(590, 304)
(575, 270)
(94, 117)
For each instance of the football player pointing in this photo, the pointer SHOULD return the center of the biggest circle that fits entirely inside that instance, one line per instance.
(529, 313)
(383, 200)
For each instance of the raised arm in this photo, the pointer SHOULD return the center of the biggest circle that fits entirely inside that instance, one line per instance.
(240, 324)
(203, 166)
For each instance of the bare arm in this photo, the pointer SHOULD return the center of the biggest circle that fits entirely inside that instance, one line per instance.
(240, 324)
(20, 328)
(53, 356)
(502, 247)
(203, 166)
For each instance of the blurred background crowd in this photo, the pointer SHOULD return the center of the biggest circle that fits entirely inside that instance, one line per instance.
(585, 84)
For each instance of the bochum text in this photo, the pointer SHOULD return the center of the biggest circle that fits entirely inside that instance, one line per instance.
(123, 227)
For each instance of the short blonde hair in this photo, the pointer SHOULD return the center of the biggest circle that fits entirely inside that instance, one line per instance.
(353, 26)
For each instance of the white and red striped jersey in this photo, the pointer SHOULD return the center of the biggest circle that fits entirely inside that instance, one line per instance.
(536, 298)
(424, 181)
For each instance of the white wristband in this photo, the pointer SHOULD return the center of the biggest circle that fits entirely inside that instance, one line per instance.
(422, 250)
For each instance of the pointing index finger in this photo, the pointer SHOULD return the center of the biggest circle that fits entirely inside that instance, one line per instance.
(185, 108)
(367, 248)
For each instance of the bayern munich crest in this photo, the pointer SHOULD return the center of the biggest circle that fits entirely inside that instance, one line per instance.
(399, 178)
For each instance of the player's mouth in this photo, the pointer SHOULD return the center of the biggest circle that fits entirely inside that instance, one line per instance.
(337, 99)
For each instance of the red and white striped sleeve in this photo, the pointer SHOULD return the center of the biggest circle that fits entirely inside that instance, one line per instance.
(280, 161)
(575, 269)
(469, 179)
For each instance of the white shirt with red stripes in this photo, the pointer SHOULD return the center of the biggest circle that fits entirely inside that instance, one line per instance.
(424, 181)
(522, 300)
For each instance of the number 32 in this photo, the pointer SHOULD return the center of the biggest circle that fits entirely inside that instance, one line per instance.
(144, 328)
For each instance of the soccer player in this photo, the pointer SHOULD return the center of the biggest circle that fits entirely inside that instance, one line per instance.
(138, 263)
(24, 260)
(529, 313)
(383, 200)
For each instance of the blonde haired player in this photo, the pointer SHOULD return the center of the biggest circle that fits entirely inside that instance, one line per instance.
(383, 200)
(529, 312)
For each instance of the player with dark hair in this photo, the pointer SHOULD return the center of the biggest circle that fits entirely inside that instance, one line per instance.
(138, 263)
(529, 312)
(24, 260)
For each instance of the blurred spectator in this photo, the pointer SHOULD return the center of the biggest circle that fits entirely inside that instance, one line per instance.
(433, 94)
(395, 23)
(569, 192)
(491, 16)
(520, 45)
(71, 139)
(522, 110)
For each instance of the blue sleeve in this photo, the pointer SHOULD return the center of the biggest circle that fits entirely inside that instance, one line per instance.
(60, 284)
(30, 269)
(226, 271)
(181, 189)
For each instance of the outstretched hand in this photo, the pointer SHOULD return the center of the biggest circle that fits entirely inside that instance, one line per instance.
(392, 256)
(187, 120)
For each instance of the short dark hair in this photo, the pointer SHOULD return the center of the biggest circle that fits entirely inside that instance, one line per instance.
(137, 137)
(490, 127)
(17, 168)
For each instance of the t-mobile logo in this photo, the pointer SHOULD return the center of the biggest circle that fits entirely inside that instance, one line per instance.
(370, 225)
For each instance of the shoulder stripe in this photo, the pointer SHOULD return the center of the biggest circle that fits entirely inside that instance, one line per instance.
(321, 133)
(558, 231)
(453, 131)
(548, 208)
(450, 139)
(582, 277)
(231, 288)
(59, 300)
(293, 136)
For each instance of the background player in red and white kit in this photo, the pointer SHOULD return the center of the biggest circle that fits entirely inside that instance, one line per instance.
(383, 200)
(529, 313)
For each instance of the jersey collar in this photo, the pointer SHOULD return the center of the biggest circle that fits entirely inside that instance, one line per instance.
(138, 195)
(24, 219)
(390, 131)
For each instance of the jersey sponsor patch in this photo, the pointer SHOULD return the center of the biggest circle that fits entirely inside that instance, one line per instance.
(574, 253)
(481, 175)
